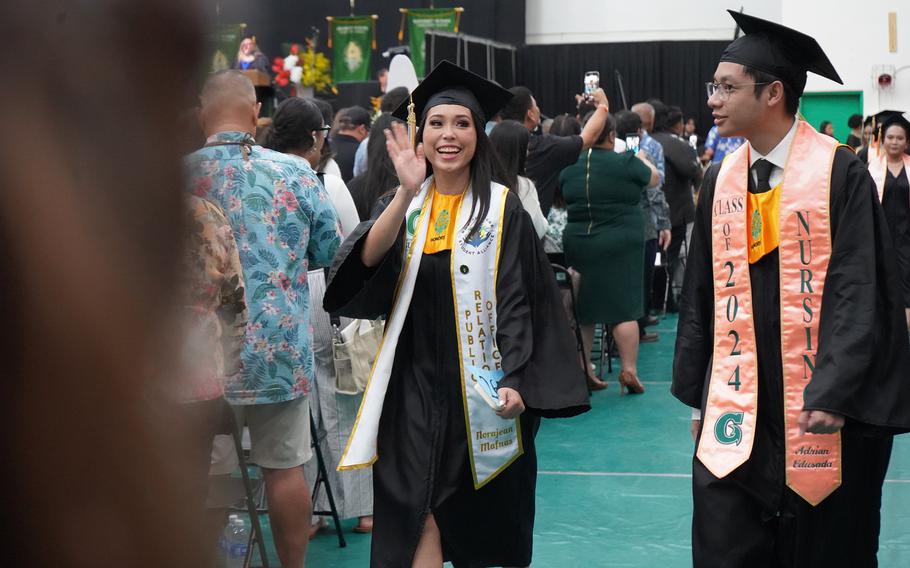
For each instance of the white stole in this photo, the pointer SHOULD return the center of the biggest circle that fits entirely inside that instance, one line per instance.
(493, 442)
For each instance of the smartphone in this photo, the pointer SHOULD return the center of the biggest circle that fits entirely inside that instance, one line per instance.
(592, 83)
(693, 140)
(632, 143)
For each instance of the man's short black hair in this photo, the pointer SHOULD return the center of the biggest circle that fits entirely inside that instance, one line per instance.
(791, 97)
(393, 98)
(628, 123)
(855, 121)
(351, 117)
(518, 107)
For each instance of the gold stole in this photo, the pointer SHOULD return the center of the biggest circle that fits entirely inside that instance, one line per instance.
(813, 465)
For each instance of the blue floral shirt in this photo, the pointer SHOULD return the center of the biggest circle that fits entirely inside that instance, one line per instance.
(653, 200)
(722, 145)
(284, 225)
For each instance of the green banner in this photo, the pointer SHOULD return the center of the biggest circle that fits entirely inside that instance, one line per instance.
(351, 42)
(222, 45)
(422, 20)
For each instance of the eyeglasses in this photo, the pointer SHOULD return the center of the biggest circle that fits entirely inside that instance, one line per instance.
(325, 129)
(724, 90)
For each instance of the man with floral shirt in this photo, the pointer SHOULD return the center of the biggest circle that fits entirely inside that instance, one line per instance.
(284, 225)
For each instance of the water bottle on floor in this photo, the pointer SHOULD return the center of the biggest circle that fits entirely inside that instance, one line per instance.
(239, 539)
(223, 542)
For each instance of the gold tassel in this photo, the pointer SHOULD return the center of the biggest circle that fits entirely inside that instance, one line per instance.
(404, 21)
(458, 12)
(412, 123)
(329, 20)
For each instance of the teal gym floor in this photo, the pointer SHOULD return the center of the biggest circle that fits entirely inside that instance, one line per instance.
(613, 488)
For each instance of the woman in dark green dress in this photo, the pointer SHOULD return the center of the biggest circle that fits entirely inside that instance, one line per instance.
(604, 241)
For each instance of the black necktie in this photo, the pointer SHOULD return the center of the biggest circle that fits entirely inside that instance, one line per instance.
(762, 169)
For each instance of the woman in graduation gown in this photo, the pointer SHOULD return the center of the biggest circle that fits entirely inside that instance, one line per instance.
(889, 170)
(433, 499)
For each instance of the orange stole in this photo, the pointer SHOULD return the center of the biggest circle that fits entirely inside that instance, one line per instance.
(813, 465)
(878, 169)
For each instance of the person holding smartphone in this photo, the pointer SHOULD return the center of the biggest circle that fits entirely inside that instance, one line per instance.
(476, 347)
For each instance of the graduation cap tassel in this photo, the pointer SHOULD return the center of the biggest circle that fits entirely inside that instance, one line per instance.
(412, 123)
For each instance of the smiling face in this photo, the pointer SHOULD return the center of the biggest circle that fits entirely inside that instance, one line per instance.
(449, 138)
(895, 141)
(739, 113)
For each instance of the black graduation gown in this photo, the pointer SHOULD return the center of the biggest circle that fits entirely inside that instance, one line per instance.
(423, 461)
(862, 359)
(896, 204)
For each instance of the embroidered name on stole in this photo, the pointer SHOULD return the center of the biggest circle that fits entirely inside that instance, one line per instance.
(813, 465)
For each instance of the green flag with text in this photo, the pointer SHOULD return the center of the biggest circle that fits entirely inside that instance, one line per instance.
(421, 20)
(351, 40)
(222, 45)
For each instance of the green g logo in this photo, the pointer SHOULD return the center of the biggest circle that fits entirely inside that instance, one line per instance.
(412, 221)
(727, 428)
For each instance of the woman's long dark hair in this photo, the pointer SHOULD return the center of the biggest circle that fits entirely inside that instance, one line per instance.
(293, 125)
(380, 177)
(485, 169)
(510, 142)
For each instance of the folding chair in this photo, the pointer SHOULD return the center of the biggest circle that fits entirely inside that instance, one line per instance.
(607, 344)
(231, 427)
(322, 478)
(564, 282)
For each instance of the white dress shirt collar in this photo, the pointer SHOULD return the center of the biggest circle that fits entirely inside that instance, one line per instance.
(777, 156)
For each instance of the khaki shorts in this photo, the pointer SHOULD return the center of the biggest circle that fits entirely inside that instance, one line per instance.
(279, 432)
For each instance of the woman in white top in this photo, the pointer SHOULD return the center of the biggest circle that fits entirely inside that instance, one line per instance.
(298, 129)
(510, 142)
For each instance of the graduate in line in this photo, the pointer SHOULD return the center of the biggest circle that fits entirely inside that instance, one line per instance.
(792, 347)
(476, 344)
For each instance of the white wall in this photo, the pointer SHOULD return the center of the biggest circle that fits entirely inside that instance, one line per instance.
(598, 21)
(854, 33)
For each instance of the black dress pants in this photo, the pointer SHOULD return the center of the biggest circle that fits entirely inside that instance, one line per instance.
(732, 528)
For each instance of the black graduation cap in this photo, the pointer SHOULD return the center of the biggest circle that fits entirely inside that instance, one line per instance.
(778, 50)
(886, 118)
(449, 84)
(883, 116)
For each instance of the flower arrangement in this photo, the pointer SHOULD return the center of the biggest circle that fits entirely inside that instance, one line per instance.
(307, 68)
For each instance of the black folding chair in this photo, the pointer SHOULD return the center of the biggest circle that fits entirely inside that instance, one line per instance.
(564, 282)
(322, 479)
(232, 428)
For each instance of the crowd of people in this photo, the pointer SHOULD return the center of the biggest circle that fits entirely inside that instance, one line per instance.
(441, 217)
(334, 217)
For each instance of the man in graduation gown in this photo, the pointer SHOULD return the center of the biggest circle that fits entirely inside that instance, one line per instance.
(795, 481)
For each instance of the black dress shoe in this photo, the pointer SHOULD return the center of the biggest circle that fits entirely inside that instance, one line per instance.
(650, 321)
(648, 338)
